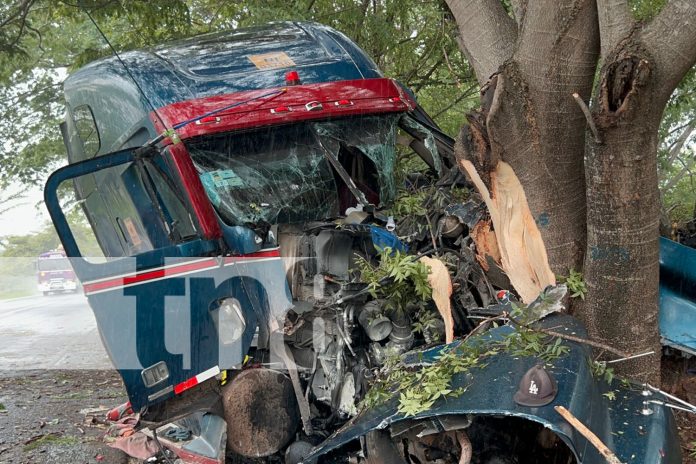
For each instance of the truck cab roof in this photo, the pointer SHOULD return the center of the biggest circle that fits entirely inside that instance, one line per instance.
(203, 66)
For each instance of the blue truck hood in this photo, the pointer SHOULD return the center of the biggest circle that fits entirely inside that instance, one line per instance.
(618, 423)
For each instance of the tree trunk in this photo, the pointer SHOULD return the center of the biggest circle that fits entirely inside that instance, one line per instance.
(529, 118)
(594, 201)
(643, 64)
(621, 266)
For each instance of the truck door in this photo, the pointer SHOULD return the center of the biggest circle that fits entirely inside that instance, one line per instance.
(143, 264)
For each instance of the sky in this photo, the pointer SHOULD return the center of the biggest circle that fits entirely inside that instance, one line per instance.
(25, 217)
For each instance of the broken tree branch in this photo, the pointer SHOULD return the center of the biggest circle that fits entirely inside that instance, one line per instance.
(587, 433)
(571, 338)
(586, 111)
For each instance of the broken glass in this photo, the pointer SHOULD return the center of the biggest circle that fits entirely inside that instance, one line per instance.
(277, 175)
(280, 175)
(416, 129)
(373, 136)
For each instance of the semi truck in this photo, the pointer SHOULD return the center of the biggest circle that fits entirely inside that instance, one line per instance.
(236, 183)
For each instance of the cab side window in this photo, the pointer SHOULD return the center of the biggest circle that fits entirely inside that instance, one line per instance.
(86, 128)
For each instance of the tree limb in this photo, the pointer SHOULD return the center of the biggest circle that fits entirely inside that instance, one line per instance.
(467, 93)
(487, 34)
(679, 143)
(22, 8)
(427, 75)
(615, 23)
(671, 36)
(586, 111)
(686, 169)
(572, 338)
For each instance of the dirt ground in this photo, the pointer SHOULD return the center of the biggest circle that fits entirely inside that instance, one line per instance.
(679, 378)
(41, 422)
(42, 416)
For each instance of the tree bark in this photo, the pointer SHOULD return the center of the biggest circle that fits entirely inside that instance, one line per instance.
(533, 123)
(622, 263)
(594, 198)
(640, 71)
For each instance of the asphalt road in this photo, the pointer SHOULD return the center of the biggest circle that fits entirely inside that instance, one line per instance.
(50, 332)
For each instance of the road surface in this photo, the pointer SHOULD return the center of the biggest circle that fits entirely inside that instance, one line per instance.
(50, 332)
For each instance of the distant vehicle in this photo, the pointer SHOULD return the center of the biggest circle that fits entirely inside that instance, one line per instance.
(55, 274)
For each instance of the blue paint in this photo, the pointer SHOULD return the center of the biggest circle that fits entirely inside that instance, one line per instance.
(610, 253)
(634, 438)
(204, 66)
(543, 220)
(678, 296)
(133, 320)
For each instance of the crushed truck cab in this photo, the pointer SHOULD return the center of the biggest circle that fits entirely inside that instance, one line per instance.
(240, 186)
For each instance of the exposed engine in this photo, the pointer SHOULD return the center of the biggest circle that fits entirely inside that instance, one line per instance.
(340, 331)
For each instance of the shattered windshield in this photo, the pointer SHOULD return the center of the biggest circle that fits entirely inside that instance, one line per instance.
(281, 175)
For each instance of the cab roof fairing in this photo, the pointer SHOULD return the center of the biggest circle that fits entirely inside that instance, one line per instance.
(209, 65)
(260, 108)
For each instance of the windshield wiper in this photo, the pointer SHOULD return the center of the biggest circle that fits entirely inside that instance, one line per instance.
(342, 173)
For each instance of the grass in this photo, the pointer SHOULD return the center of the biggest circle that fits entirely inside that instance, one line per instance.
(17, 278)
(51, 439)
(2, 407)
(9, 294)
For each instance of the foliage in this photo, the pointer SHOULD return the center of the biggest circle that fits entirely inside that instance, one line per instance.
(421, 386)
(399, 278)
(600, 370)
(645, 10)
(32, 245)
(424, 320)
(524, 342)
(410, 204)
(576, 284)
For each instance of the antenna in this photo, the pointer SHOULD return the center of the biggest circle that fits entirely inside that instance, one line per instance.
(135, 81)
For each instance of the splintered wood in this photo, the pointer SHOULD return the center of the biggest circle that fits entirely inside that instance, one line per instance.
(587, 433)
(441, 283)
(521, 249)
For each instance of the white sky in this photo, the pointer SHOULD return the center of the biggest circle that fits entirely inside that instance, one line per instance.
(25, 217)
